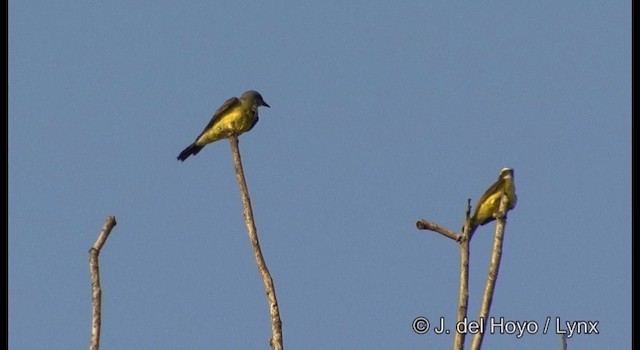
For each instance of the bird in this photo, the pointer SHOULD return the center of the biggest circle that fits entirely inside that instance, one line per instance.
(489, 203)
(234, 117)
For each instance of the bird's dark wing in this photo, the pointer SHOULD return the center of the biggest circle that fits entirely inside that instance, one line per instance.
(226, 106)
(490, 191)
(255, 121)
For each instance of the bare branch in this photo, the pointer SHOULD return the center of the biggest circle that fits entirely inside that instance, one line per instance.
(96, 290)
(276, 323)
(494, 268)
(563, 341)
(428, 225)
(464, 239)
(463, 293)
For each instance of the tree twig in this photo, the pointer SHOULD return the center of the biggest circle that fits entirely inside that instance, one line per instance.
(96, 290)
(428, 225)
(276, 323)
(563, 341)
(463, 293)
(494, 268)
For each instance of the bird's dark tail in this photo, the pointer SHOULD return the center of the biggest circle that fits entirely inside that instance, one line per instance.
(192, 149)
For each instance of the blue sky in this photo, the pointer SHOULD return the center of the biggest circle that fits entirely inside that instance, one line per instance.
(381, 114)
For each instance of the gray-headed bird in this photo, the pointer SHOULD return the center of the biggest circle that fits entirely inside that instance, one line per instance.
(489, 203)
(235, 116)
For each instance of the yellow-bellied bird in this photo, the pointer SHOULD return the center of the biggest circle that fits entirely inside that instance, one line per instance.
(235, 116)
(489, 203)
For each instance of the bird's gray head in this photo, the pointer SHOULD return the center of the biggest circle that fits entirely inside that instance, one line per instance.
(506, 172)
(255, 97)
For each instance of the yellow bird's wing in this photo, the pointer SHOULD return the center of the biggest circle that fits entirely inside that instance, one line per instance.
(487, 202)
(491, 191)
(227, 106)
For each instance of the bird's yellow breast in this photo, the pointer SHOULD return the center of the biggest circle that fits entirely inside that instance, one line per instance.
(487, 208)
(234, 121)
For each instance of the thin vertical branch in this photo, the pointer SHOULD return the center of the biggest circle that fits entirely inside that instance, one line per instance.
(494, 268)
(463, 294)
(96, 290)
(276, 323)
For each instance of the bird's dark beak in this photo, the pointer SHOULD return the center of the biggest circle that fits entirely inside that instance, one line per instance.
(265, 104)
